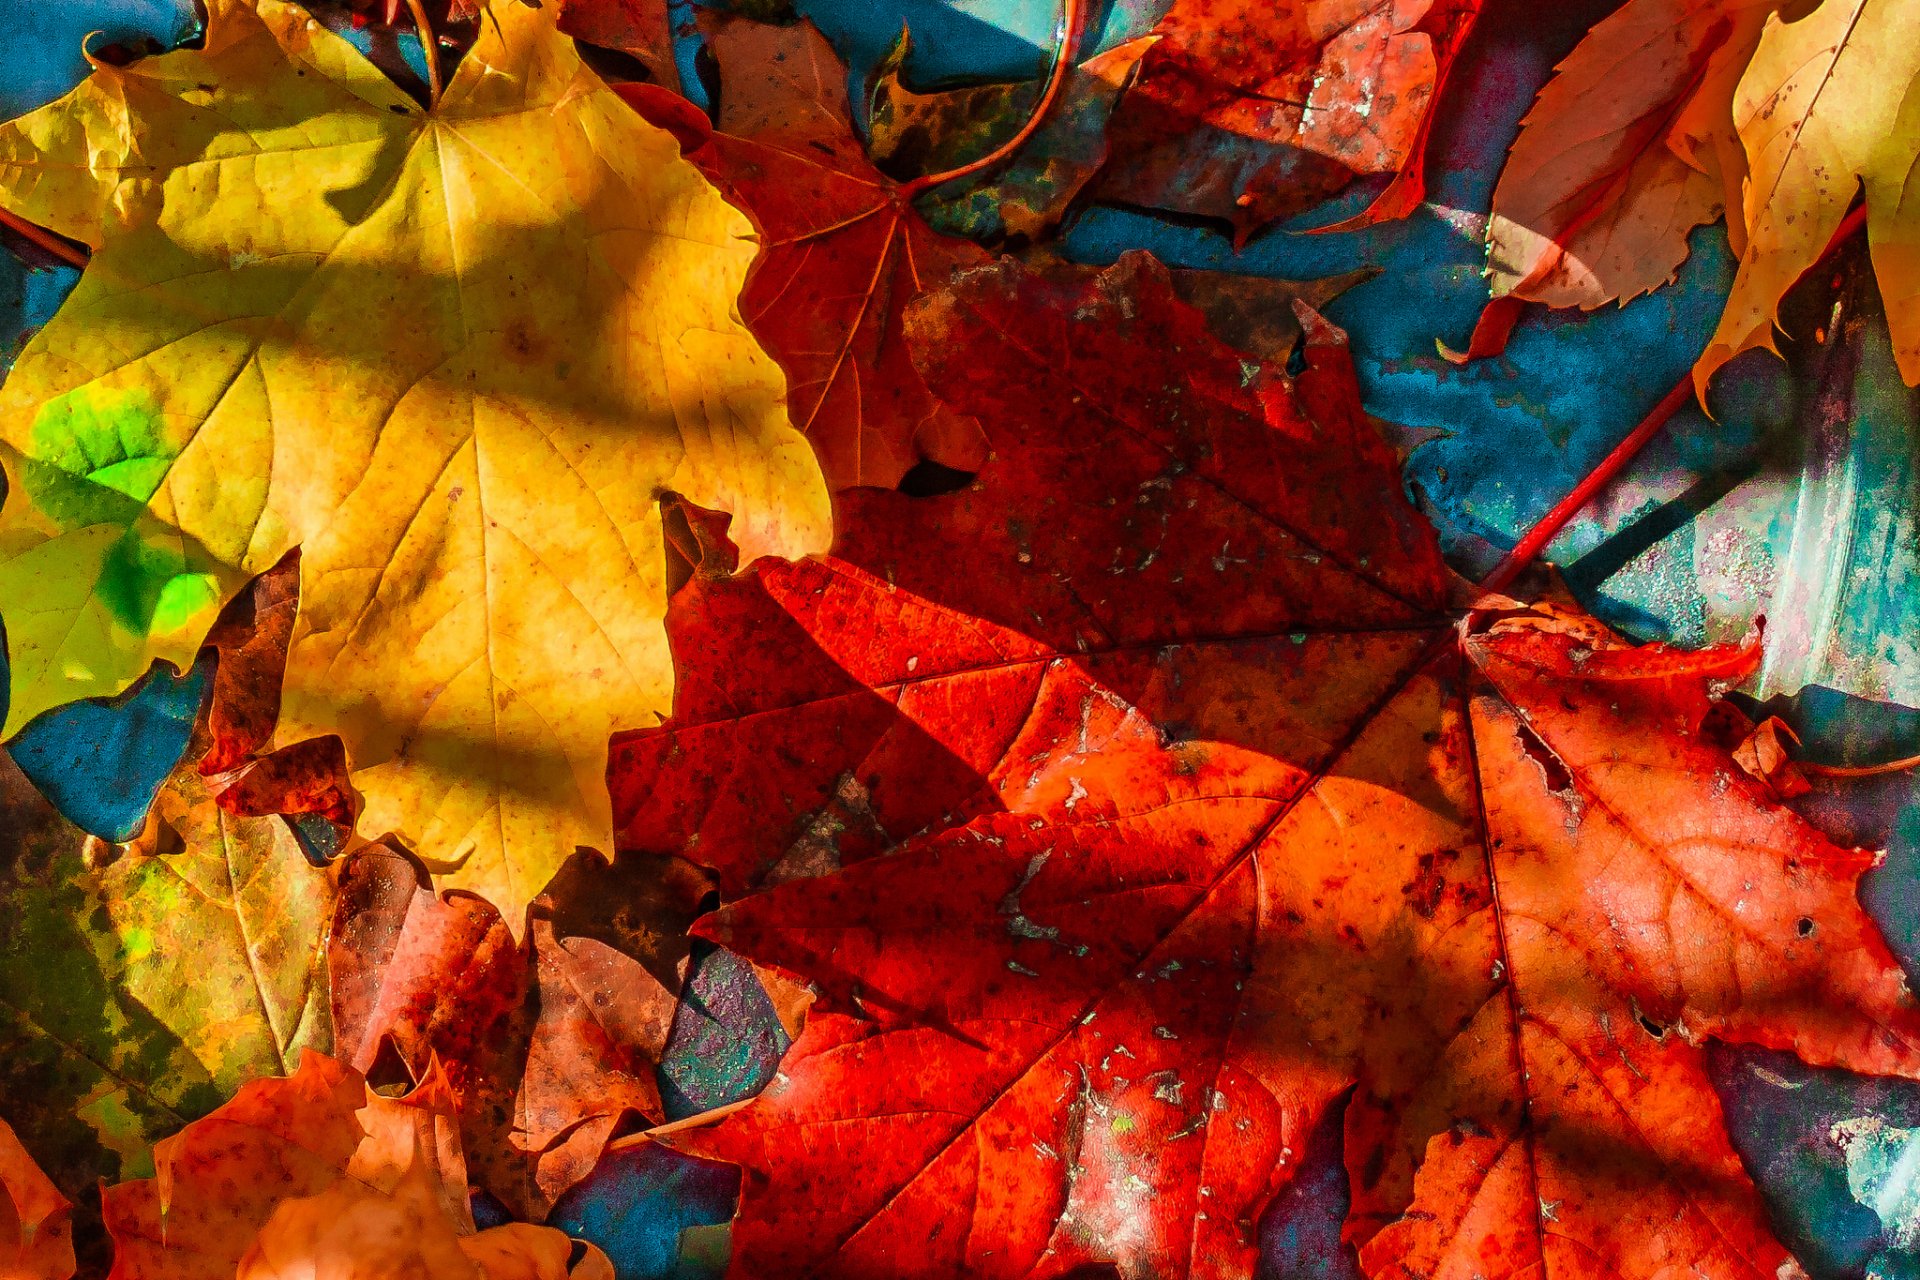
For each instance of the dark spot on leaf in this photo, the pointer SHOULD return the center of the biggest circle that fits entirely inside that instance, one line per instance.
(927, 479)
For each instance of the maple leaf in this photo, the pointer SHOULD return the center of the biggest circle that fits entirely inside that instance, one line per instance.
(140, 985)
(453, 355)
(914, 132)
(36, 1240)
(314, 1175)
(1248, 112)
(843, 252)
(638, 27)
(1628, 148)
(1829, 102)
(548, 1045)
(1207, 807)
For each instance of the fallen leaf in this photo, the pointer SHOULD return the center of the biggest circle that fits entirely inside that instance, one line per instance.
(856, 656)
(1250, 113)
(1628, 148)
(352, 1232)
(36, 1240)
(316, 1175)
(250, 641)
(550, 1046)
(1830, 101)
(911, 133)
(638, 27)
(250, 779)
(1255, 314)
(843, 252)
(452, 355)
(136, 995)
(1206, 808)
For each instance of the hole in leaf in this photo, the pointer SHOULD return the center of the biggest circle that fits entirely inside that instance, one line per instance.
(1556, 775)
(1649, 1026)
(1805, 926)
(930, 479)
(1297, 357)
(389, 1076)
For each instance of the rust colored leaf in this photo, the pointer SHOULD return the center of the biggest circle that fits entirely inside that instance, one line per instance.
(252, 779)
(250, 641)
(1628, 148)
(1207, 804)
(549, 1047)
(1255, 314)
(843, 253)
(317, 1175)
(637, 27)
(898, 682)
(1251, 112)
(36, 1239)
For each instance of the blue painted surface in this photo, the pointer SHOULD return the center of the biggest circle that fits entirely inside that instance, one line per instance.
(659, 1215)
(41, 57)
(101, 761)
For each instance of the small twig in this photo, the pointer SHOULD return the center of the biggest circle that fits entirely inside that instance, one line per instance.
(1549, 526)
(667, 1130)
(1857, 770)
(428, 49)
(1066, 44)
(43, 239)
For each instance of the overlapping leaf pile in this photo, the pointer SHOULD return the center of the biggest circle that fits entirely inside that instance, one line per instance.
(1133, 788)
(1204, 806)
(1673, 112)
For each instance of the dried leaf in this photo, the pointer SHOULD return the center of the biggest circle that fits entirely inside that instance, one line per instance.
(36, 1240)
(1628, 148)
(1830, 100)
(316, 1176)
(1251, 112)
(1205, 807)
(357, 356)
(549, 1046)
(843, 252)
(138, 993)
(911, 133)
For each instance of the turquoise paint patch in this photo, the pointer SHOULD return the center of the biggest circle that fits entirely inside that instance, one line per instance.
(41, 58)
(101, 761)
(653, 1211)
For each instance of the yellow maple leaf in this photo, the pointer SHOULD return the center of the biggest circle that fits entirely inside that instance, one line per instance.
(1831, 100)
(456, 355)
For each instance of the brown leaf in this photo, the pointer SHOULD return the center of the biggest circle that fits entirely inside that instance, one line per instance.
(36, 1240)
(549, 1046)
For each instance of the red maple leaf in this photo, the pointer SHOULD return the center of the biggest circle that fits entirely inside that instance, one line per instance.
(1207, 805)
(1252, 112)
(843, 252)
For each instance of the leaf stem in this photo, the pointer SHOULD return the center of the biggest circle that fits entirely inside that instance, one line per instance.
(1066, 42)
(428, 50)
(43, 239)
(1857, 770)
(1549, 526)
